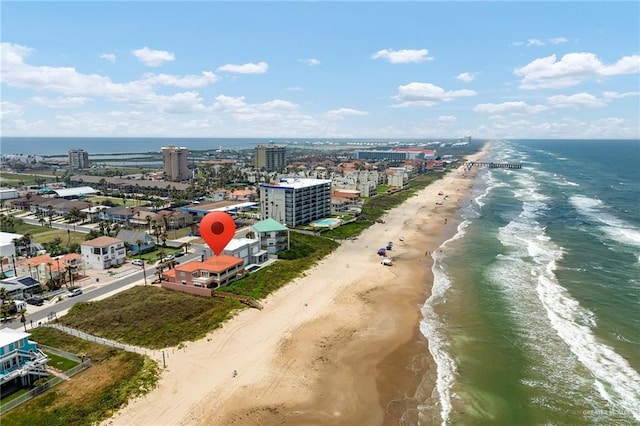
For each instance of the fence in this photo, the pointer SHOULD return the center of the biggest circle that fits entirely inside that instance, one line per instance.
(100, 340)
(51, 381)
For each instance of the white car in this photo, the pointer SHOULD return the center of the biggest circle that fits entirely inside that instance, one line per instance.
(137, 262)
(74, 292)
(167, 258)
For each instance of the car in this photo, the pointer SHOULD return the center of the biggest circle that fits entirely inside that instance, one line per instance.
(36, 301)
(74, 292)
(179, 254)
(137, 262)
(167, 258)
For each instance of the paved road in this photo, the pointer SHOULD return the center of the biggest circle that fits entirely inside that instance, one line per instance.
(72, 227)
(94, 293)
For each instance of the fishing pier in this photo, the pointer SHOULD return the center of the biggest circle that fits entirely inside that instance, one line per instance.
(493, 165)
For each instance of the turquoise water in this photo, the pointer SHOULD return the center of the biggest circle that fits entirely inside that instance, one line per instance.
(326, 222)
(535, 312)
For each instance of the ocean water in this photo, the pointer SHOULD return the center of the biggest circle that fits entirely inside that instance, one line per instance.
(534, 318)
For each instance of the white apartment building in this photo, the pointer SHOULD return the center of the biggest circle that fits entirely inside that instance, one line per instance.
(365, 181)
(397, 176)
(296, 202)
(174, 161)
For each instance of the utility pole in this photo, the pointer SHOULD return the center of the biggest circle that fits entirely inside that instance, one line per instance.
(144, 273)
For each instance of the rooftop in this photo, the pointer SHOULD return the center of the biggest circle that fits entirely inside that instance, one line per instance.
(103, 241)
(296, 183)
(9, 335)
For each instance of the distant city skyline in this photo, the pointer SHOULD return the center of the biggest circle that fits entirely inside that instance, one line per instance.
(503, 70)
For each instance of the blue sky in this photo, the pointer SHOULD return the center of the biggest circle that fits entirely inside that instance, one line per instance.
(321, 69)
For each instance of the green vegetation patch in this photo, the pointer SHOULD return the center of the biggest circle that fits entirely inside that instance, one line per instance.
(92, 396)
(150, 317)
(60, 363)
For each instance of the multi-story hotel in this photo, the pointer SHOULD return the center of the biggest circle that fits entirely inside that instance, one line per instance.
(78, 159)
(270, 157)
(296, 202)
(174, 161)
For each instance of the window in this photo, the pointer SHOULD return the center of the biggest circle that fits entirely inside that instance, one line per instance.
(184, 282)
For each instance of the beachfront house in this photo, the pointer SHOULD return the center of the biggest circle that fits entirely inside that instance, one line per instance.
(103, 252)
(21, 362)
(201, 278)
(273, 236)
(247, 249)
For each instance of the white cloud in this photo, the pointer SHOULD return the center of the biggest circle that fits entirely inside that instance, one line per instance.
(295, 89)
(153, 58)
(426, 94)
(339, 114)
(518, 107)
(538, 42)
(534, 42)
(404, 56)
(185, 82)
(110, 57)
(277, 111)
(557, 40)
(447, 119)
(571, 70)
(579, 100)
(181, 103)
(66, 102)
(77, 86)
(250, 68)
(616, 95)
(312, 62)
(9, 109)
(466, 77)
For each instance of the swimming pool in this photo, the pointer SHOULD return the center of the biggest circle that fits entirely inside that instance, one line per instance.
(326, 222)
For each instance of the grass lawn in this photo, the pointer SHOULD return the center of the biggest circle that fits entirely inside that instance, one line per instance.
(52, 233)
(91, 396)
(61, 363)
(13, 396)
(98, 199)
(28, 179)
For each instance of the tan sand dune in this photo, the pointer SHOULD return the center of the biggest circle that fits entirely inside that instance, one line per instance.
(340, 345)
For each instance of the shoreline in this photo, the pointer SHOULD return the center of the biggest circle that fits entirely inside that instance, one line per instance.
(342, 337)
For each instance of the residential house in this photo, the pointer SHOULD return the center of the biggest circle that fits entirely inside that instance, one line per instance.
(174, 219)
(247, 249)
(201, 278)
(273, 236)
(21, 361)
(103, 252)
(45, 268)
(20, 288)
(136, 241)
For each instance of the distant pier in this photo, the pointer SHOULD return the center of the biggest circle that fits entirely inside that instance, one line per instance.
(493, 165)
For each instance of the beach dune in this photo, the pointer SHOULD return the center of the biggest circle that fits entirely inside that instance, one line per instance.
(339, 345)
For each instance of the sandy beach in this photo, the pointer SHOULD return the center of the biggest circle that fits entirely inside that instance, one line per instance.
(340, 345)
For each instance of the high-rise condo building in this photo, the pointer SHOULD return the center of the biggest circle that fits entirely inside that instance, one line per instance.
(78, 159)
(174, 160)
(270, 157)
(296, 202)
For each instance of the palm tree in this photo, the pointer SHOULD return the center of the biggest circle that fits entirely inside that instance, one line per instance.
(139, 244)
(4, 296)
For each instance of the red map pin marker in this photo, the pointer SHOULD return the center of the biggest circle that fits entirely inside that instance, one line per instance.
(217, 229)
